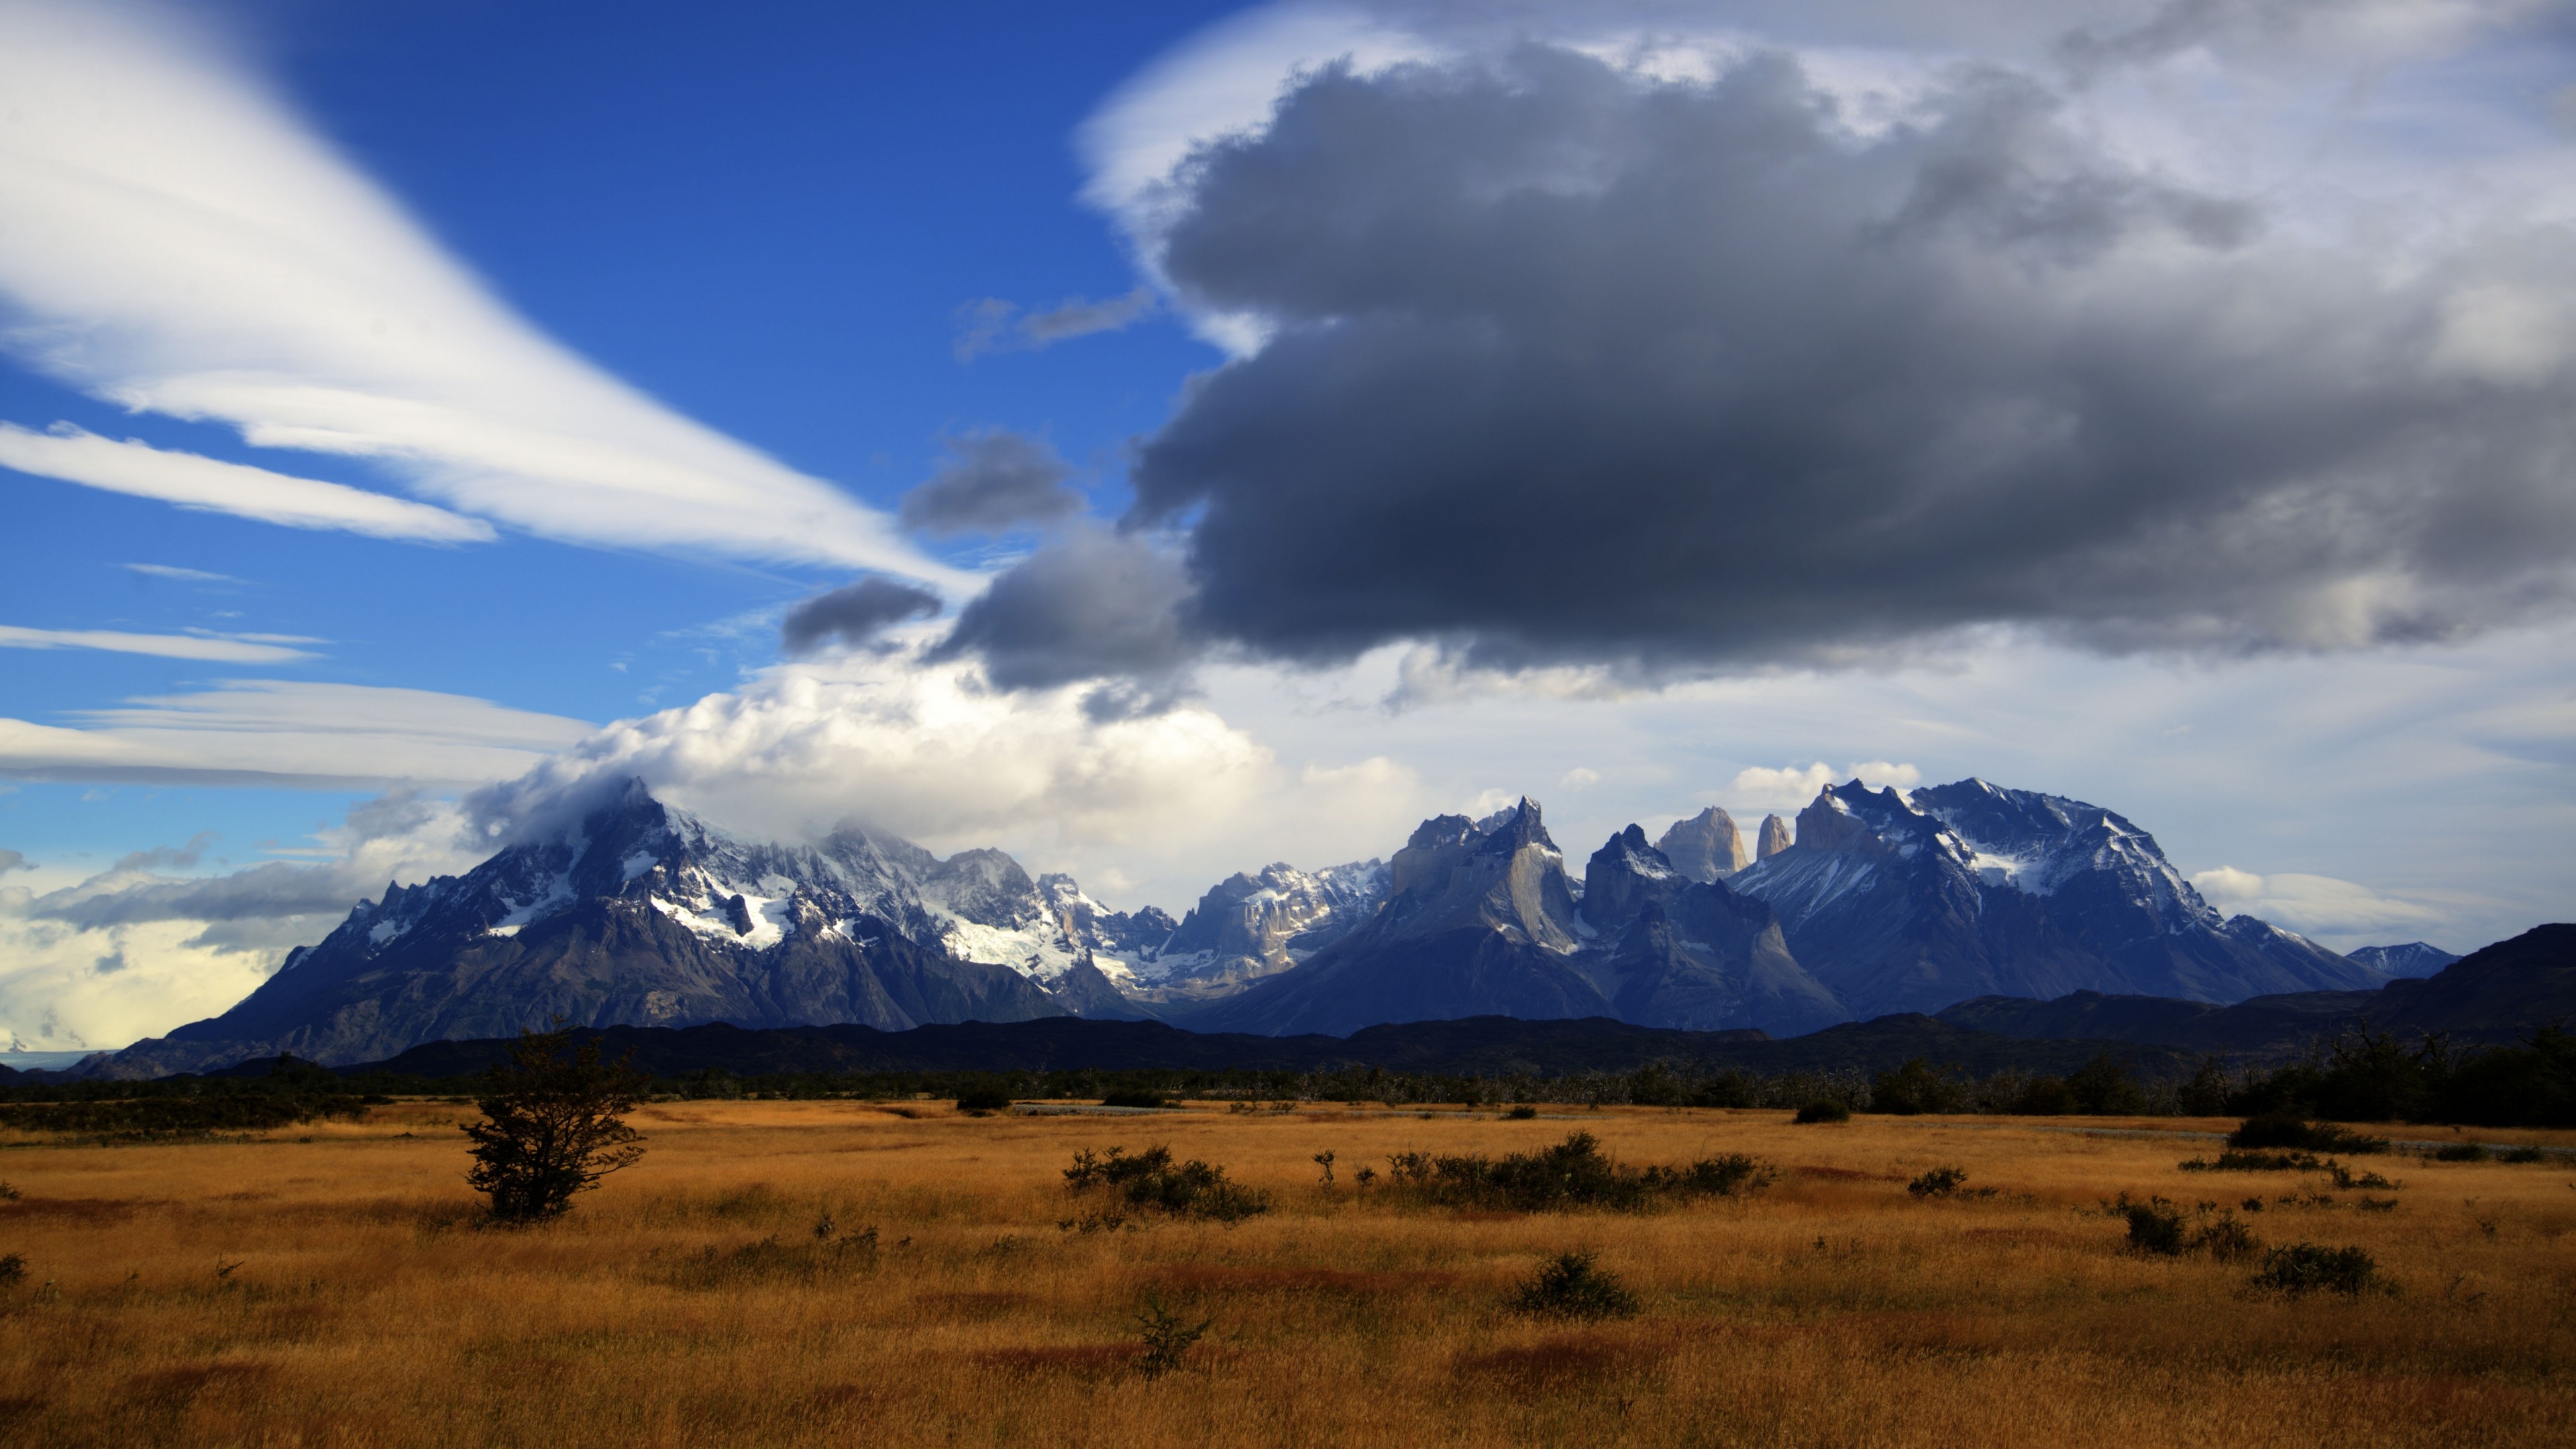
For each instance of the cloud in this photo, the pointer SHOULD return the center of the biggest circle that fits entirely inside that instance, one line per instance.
(993, 482)
(286, 733)
(1089, 604)
(179, 242)
(993, 325)
(853, 614)
(130, 952)
(11, 860)
(2317, 905)
(174, 572)
(216, 648)
(209, 486)
(1789, 789)
(930, 752)
(1557, 359)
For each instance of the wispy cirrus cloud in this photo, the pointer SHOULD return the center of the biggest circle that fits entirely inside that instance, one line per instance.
(289, 733)
(213, 648)
(176, 574)
(209, 485)
(179, 241)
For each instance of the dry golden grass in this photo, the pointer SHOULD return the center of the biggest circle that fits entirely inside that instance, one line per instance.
(368, 1307)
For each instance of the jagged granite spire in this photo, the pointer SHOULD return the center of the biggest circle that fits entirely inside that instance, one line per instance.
(1775, 837)
(1705, 847)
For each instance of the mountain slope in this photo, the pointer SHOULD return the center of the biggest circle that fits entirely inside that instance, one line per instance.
(636, 913)
(2489, 997)
(1479, 920)
(1247, 927)
(1902, 903)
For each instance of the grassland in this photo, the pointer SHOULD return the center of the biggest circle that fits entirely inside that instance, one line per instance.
(331, 1285)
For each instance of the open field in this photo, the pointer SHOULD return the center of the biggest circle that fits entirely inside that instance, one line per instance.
(332, 1286)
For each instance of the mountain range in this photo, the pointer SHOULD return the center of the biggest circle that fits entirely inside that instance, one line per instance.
(1883, 901)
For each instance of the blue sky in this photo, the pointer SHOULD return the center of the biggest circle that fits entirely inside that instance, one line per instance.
(633, 326)
(771, 228)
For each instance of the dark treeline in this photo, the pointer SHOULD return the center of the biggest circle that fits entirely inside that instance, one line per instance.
(2366, 1078)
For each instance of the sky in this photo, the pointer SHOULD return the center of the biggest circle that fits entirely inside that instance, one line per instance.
(1160, 440)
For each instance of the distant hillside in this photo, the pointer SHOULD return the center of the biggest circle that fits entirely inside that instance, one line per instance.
(2490, 997)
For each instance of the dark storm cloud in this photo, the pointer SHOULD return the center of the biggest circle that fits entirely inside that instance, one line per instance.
(1091, 604)
(1563, 365)
(853, 613)
(992, 483)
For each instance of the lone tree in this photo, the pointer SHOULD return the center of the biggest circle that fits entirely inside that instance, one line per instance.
(552, 1125)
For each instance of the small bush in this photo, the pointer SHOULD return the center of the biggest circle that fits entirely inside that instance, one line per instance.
(2155, 1226)
(2285, 1130)
(1939, 1182)
(2228, 1240)
(13, 1270)
(1135, 1099)
(1151, 1179)
(2158, 1227)
(2461, 1152)
(1574, 1173)
(2308, 1268)
(1570, 1286)
(1823, 1109)
(2234, 1161)
(2526, 1154)
(1167, 1337)
(983, 1099)
(1522, 1113)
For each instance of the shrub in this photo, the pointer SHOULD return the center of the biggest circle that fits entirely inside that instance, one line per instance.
(2526, 1154)
(551, 1127)
(1574, 1173)
(983, 1099)
(1151, 1179)
(2159, 1228)
(1823, 1109)
(2227, 1239)
(2234, 1161)
(2289, 1130)
(2460, 1152)
(1570, 1286)
(1135, 1099)
(13, 1270)
(1939, 1182)
(1167, 1337)
(2101, 1088)
(1522, 1113)
(2307, 1268)
(2155, 1226)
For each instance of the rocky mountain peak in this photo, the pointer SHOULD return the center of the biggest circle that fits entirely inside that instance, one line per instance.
(1705, 847)
(1774, 839)
(1623, 878)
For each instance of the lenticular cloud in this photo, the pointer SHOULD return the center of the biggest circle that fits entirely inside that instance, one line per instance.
(174, 239)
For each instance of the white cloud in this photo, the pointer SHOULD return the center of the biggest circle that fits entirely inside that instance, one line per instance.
(216, 648)
(2314, 905)
(174, 572)
(1789, 789)
(278, 732)
(211, 486)
(1170, 802)
(129, 952)
(174, 239)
